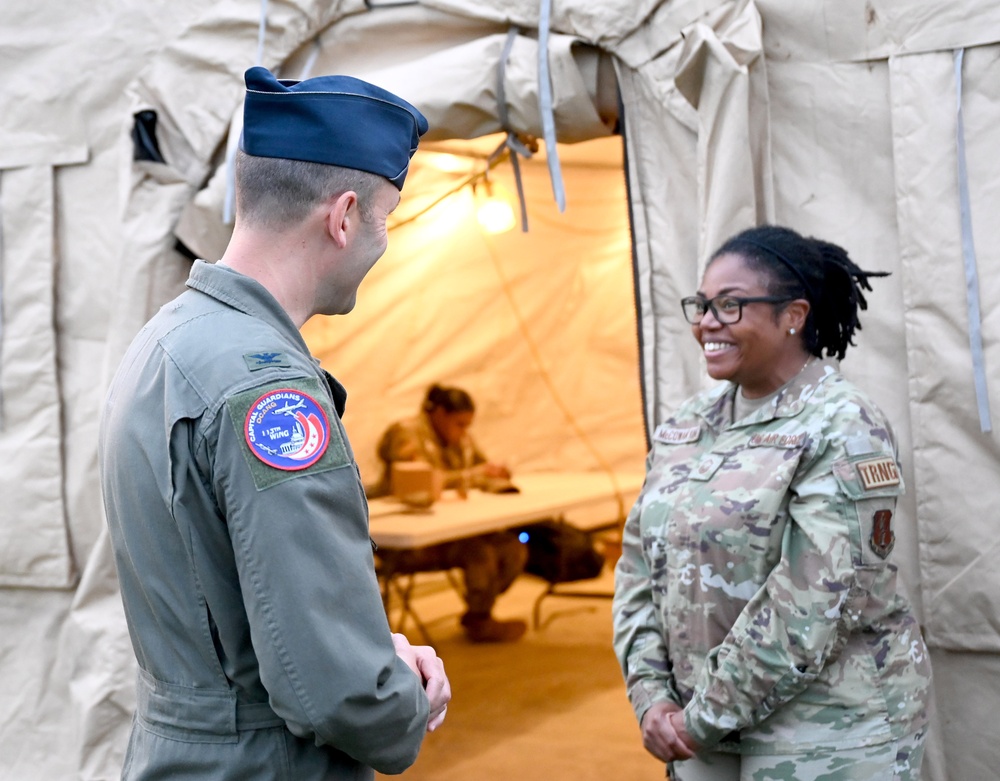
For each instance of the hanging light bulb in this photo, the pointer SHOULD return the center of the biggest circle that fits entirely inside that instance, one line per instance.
(446, 163)
(494, 213)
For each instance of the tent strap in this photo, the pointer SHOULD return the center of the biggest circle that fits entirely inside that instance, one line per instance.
(511, 142)
(969, 258)
(261, 32)
(545, 104)
(232, 143)
(1, 315)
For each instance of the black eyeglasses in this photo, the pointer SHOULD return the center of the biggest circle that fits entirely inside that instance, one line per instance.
(726, 309)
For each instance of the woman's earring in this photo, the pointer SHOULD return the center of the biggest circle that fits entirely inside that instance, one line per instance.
(791, 332)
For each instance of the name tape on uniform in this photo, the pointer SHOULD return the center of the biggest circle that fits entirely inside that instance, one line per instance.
(676, 436)
(774, 439)
(878, 472)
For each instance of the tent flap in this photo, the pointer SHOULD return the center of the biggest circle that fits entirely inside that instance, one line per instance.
(34, 543)
(722, 75)
(961, 586)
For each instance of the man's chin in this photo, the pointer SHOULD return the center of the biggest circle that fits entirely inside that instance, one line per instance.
(340, 307)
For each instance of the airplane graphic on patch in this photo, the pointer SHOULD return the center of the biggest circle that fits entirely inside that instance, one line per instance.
(289, 409)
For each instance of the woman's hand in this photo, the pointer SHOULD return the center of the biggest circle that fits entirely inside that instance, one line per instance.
(664, 734)
(494, 470)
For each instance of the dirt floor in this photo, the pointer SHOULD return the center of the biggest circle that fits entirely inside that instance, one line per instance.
(551, 706)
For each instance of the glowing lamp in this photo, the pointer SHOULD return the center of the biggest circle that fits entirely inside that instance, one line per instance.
(495, 214)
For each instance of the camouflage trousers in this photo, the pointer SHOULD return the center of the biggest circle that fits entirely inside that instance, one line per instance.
(897, 760)
(490, 563)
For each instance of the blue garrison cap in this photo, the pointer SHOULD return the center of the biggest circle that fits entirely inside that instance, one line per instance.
(337, 120)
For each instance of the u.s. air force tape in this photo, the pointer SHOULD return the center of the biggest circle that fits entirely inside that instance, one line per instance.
(286, 431)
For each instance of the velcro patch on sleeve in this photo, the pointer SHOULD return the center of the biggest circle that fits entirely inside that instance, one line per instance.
(882, 538)
(877, 472)
(286, 430)
(265, 360)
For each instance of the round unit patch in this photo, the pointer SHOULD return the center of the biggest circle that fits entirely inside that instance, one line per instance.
(287, 429)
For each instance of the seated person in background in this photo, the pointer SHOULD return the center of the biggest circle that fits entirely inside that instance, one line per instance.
(491, 562)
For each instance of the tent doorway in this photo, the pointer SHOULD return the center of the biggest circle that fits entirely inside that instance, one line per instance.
(539, 326)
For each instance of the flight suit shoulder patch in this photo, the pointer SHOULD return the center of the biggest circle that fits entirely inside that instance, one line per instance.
(286, 430)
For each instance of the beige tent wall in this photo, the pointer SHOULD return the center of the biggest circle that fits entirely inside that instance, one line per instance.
(62, 105)
(836, 117)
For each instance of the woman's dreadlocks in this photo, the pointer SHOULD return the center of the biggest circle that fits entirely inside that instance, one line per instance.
(809, 268)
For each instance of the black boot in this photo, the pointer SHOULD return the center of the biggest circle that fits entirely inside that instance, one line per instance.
(483, 628)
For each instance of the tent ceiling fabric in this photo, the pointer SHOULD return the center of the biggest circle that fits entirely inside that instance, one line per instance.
(836, 117)
(455, 83)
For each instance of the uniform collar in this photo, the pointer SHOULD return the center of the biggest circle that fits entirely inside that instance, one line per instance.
(787, 403)
(244, 294)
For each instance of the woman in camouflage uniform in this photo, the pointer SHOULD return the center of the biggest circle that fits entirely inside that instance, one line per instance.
(758, 619)
(490, 563)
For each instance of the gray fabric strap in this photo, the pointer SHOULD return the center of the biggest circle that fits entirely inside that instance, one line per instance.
(545, 104)
(511, 142)
(310, 63)
(969, 257)
(232, 144)
(261, 33)
(1, 307)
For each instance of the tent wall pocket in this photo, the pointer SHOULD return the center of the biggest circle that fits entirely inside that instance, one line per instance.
(34, 541)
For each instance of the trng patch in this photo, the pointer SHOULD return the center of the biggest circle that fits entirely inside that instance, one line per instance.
(877, 472)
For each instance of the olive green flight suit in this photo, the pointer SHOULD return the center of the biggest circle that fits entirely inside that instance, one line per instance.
(249, 588)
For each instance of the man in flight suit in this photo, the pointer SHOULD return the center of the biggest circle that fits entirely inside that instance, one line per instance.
(236, 509)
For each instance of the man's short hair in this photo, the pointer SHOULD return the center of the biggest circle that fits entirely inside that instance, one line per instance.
(275, 193)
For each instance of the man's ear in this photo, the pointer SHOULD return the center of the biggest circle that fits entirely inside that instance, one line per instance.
(342, 211)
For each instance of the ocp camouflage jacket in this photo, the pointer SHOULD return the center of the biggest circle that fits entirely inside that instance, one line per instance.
(754, 586)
